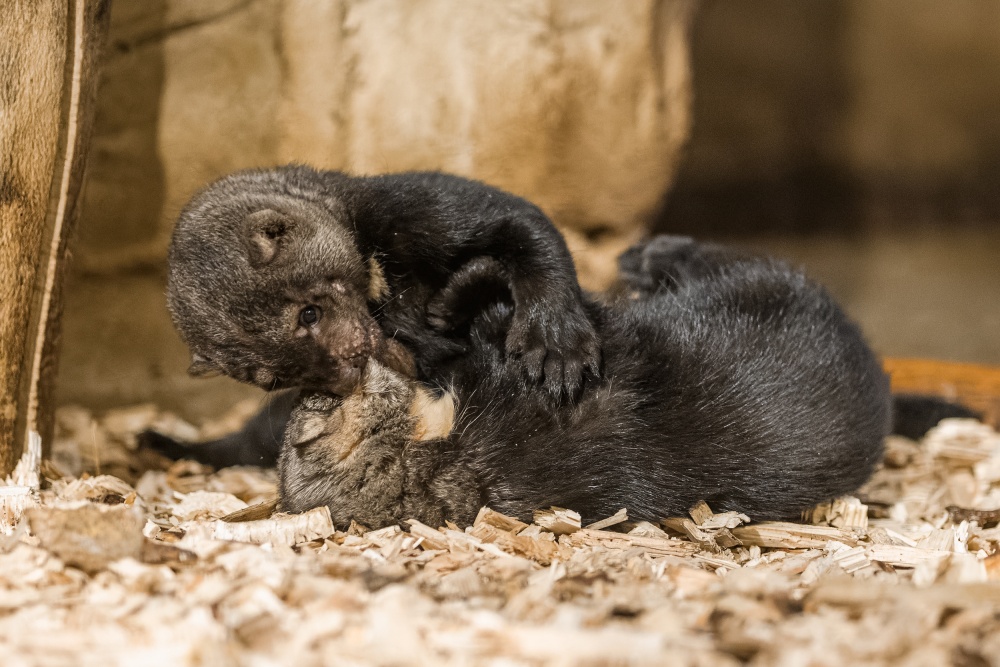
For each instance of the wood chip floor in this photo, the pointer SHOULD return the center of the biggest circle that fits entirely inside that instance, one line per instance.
(117, 561)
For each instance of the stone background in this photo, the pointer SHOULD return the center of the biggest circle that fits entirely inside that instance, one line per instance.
(809, 114)
(857, 137)
(579, 105)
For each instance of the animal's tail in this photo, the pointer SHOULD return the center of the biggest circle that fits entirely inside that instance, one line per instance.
(915, 414)
(257, 443)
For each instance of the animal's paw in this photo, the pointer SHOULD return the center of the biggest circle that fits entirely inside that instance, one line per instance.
(444, 313)
(557, 345)
(479, 282)
(656, 262)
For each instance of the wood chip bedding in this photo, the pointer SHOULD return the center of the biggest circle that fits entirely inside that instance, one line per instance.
(186, 566)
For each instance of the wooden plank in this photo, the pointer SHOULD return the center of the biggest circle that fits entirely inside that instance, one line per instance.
(784, 535)
(50, 51)
(559, 520)
(976, 386)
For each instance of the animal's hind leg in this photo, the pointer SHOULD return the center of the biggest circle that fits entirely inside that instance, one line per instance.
(664, 262)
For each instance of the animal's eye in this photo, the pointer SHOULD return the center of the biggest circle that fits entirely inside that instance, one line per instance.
(310, 315)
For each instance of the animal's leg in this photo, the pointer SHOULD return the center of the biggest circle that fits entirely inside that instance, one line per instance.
(665, 262)
(256, 444)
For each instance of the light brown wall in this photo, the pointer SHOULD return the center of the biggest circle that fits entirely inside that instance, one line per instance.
(926, 88)
(579, 105)
(861, 140)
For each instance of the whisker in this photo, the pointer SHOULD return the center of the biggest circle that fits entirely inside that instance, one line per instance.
(388, 301)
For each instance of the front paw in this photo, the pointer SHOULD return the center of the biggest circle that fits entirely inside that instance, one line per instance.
(479, 282)
(441, 315)
(656, 263)
(558, 347)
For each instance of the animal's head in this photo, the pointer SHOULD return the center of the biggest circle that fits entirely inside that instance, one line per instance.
(332, 440)
(267, 285)
(379, 403)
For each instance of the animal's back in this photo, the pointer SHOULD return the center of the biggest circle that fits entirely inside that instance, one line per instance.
(749, 389)
(768, 398)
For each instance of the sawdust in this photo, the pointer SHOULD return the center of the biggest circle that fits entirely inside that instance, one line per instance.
(184, 566)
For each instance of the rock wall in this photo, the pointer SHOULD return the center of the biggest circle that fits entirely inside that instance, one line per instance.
(812, 114)
(579, 105)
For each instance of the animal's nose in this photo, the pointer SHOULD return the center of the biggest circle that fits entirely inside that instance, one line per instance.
(346, 340)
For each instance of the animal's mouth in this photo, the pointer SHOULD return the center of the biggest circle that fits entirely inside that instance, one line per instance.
(348, 374)
(350, 362)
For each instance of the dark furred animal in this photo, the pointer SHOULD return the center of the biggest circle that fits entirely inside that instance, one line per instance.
(294, 277)
(728, 379)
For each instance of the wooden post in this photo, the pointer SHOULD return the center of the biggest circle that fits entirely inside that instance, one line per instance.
(49, 53)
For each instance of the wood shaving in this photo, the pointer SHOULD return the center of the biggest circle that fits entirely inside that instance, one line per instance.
(158, 568)
(621, 516)
(18, 492)
(558, 520)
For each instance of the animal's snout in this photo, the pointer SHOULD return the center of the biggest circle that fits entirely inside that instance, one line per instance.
(345, 340)
(347, 375)
(356, 363)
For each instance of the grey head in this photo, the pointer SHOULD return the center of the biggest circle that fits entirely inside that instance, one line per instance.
(267, 285)
(347, 452)
(355, 453)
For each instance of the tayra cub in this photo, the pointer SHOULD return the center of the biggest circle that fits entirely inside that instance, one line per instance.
(377, 456)
(292, 277)
(727, 379)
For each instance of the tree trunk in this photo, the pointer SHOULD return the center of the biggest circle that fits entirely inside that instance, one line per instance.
(49, 52)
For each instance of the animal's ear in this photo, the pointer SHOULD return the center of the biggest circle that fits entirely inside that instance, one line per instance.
(378, 288)
(434, 417)
(266, 231)
(202, 367)
(312, 427)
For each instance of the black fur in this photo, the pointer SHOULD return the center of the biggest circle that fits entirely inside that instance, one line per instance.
(745, 386)
(914, 415)
(658, 265)
(729, 379)
(373, 255)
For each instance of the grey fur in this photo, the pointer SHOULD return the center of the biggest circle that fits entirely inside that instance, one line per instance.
(357, 456)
